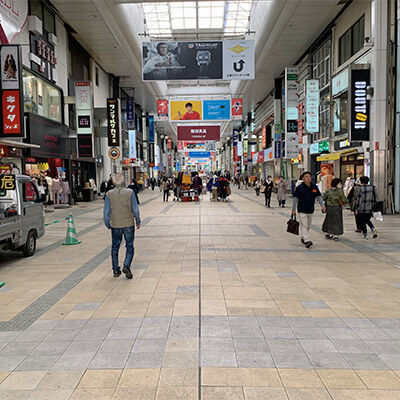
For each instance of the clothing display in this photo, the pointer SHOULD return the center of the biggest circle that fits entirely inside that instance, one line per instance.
(186, 178)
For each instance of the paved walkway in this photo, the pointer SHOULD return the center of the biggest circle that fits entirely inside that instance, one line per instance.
(223, 304)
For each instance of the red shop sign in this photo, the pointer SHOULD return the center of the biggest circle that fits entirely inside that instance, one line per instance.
(200, 132)
(11, 112)
(237, 109)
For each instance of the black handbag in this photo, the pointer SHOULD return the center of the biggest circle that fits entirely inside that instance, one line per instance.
(293, 225)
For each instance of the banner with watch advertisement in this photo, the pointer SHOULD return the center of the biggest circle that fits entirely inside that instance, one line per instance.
(195, 60)
(12, 115)
(113, 122)
(162, 110)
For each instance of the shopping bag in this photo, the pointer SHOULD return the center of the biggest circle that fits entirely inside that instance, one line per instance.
(263, 188)
(377, 216)
(293, 225)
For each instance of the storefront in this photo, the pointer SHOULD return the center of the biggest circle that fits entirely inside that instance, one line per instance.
(11, 161)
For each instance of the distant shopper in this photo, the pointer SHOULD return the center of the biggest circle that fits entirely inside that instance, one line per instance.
(269, 187)
(304, 202)
(121, 211)
(334, 201)
(152, 183)
(282, 189)
(110, 184)
(257, 186)
(366, 200)
(135, 187)
(140, 183)
(165, 188)
(353, 197)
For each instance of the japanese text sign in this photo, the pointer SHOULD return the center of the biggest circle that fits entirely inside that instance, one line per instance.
(113, 122)
(7, 182)
(11, 113)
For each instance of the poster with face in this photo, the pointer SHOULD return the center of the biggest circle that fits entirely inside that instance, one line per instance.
(327, 175)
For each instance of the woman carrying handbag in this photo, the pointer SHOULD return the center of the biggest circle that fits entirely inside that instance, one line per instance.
(334, 199)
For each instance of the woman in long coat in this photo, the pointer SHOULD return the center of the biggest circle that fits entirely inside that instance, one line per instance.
(282, 189)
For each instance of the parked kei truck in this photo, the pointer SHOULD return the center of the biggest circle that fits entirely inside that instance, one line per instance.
(21, 214)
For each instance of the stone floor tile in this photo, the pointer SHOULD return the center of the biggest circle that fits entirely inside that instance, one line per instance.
(340, 333)
(145, 360)
(46, 348)
(216, 331)
(38, 363)
(318, 346)
(300, 378)
(351, 346)
(142, 393)
(51, 394)
(252, 393)
(127, 323)
(180, 359)
(301, 322)
(307, 394)
(330, 323)
(100, 323)
(277, 333)
(109, 361)
(184, 344)
(218, 359)
(9, 363)
(116, 346)
(93, 334)
(18, 349)
(22, 380)
(139, 378)
(358, 323)
(386, 323)
(177, 393)
(250, 345)
(98, 379)
(76, 324)
(364, 361)
(73, 362)
(386, 380)
(391, 360)
(149, 345)
(150, 333)
(6, 337)
(31, 336)
(340, 379)
(217, 344)
(255, 359)
(86, 306)
(93, 394)
(64, 335)
(53, 380)
(308, 333)
(291, 360)
(222, 393)
(384, 346)
(178, 377)
(284, 345)
(328, 361)
(392, 333)
(83, 346)
(370, 334)
(43, 325)
(351, 394)
(310, 305)
(16, 394)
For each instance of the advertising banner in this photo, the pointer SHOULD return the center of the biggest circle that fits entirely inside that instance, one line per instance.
(11, 67)
(238, 59)
(235, 138)
(277, 148)
(312, 105)
(191, 110)
(130, 112)
(195, 146)
(85, 146)
(151, 129)
(12, 122)
(13, 16)
(217, 110)
(113, 122)
(237, 109)
(245, 147)
(264, 137)
(260, 157)
(162, 110)
(83, 95)
(199, 154)
(132, 144)
(291, 112)
(181, 60)
(169, 144)
(201, 132)
(151, 155)
(268, 155)
(240, 149)
(211, 145)
(359, 105)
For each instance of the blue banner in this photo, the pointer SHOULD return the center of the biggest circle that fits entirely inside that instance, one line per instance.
(277, 149)
(235, 137)
(199, 154)
(130, 113)
(217, 110)
(151, 128)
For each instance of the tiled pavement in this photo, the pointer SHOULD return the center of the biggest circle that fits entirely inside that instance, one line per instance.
(224, 304)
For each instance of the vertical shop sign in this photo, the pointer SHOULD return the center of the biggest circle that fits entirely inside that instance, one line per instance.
(84, 107)
(240, 149)
(291, 111)
(113, 122)
(237, 109)
(130, 112)
(359, 81)
(162, 110)
(264, 137)
(312, 105)
(151, 129)
(151, 155)
(85, 146)
(245, 148)
(132, 144)
(12, 121)
(235, 137)
(169, 144)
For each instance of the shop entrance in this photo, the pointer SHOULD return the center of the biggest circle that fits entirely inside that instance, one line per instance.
(352, 166)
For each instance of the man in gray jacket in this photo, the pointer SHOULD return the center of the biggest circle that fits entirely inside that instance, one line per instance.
(120, 213)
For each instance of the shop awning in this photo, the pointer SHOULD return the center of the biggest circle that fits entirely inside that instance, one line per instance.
(21, 145)
(329, 157)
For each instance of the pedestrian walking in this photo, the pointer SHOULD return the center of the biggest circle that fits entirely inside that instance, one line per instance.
(304, 204)
(152, 183)
(135, 187)
(269, 187)
(121, 212)
(366, 201)
(353, 197)
(334, 199)
(257, 186)
(282, 189)
(165, 188)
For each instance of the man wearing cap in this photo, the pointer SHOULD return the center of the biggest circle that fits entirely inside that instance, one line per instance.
(304, 202)
(121, 211)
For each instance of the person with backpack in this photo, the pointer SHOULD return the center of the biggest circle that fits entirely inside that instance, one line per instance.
(366, 201)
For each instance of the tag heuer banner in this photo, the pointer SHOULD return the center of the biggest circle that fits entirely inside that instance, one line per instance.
(228, 60)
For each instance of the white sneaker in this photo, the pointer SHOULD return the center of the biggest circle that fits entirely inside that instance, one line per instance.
(365, 237)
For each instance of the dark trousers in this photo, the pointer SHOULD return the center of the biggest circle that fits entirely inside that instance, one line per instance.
(166, 195)
(116, 235)
(282, 203)
(358, 221)
(268, 198)
(365, 219)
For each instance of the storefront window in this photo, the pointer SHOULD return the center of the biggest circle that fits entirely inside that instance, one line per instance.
(41, 98)
(321, 65)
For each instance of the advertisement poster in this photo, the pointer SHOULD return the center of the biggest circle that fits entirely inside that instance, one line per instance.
(113, 122)
(238, 59)
(162, 110)
(13, 16)
(217, 110)
(151, 129)
(327, 175)
(130, 112)
(291, 112)
(83, 95)
(132, 144)
(181, 60)
(211, 145)
(237, 109)
(85, 146)
(312, 105)
(169, 144)
(10, 67)
(191, 110)
(201, 132)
